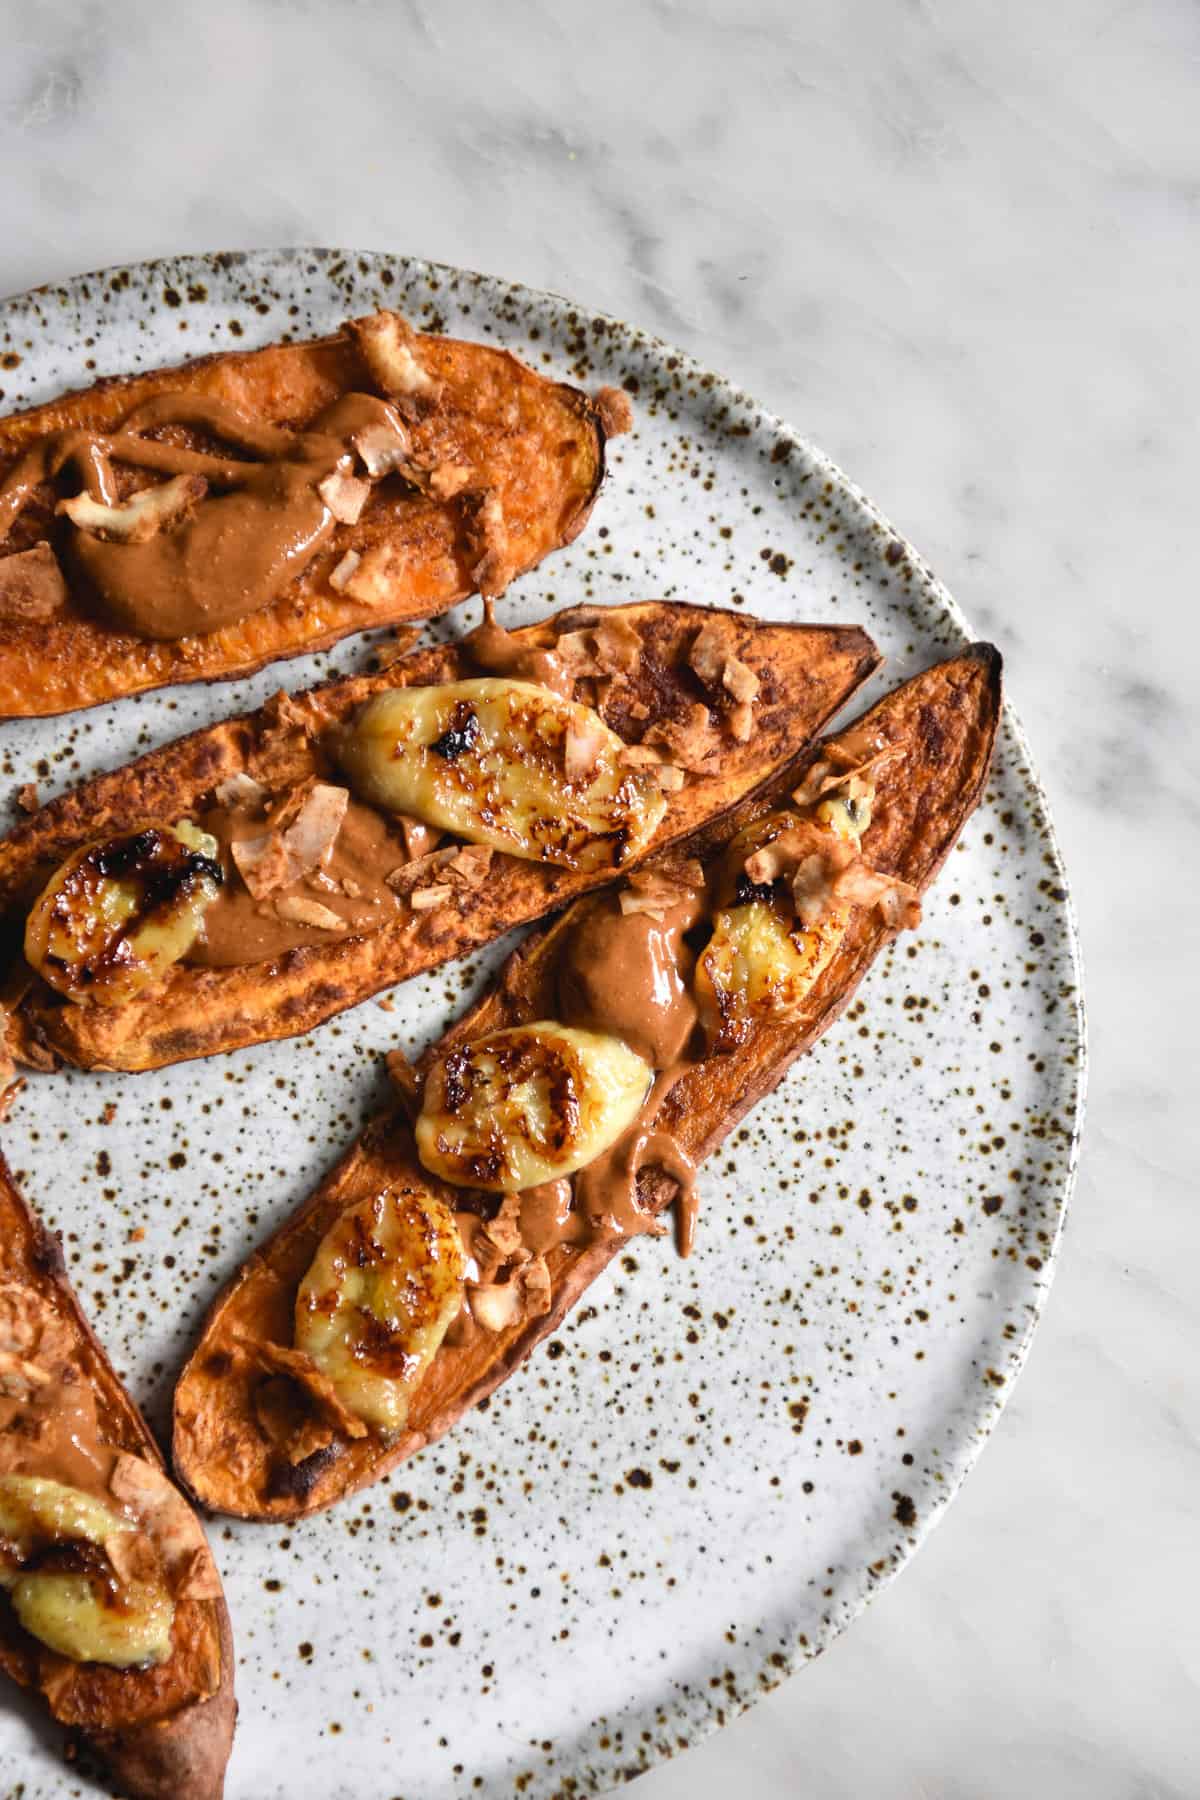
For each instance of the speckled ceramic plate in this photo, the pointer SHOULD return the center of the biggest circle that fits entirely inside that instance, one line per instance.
(717, 1463)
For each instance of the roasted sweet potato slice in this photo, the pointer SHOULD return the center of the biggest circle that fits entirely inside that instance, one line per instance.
(161, 1732)
(641, 675)
(500, 466)
(941, 726)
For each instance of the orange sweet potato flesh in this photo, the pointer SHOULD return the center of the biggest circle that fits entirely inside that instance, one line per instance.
(946, 720)
(537, 444)
(806, 671)
(161, 1733)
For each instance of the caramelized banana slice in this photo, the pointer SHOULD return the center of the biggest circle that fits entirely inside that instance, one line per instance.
(383, 1289)
(527, 1105)
(35, 1512)
(761, 962)
(116, 915)
(508, 764)
(86, 1616)
(83, 1610)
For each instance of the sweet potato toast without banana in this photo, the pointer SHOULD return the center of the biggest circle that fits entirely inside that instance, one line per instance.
(110, 1603)
(618, 1048)
(194, 523)
(257, 877)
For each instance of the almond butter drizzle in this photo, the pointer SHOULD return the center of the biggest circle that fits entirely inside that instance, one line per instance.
(500, 652)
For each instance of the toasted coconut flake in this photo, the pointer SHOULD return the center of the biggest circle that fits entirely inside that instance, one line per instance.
(446, 479)
(710, 650)
(656, 906)
(642, 756)
(419, 838)
(370, 581)
(538, 1289)
(827, 872)
(504, 1231)
(31, 585)
(132, 1556)
(171, 1524)
(898, 902)
(344, 495)
(318, 823)
(241, 792)
(143, 515)
(657, 891)
(740, 720)
(577, 651)
(740, 680)
(488, 540)
(386, 342)
(262, 863)
(582, 745)
(426, 899)
(284, 713)
(302, 832)
(691, 741)
(471, 864)
(32, 1329)
(669, 778)
(340, 574)
(784, 854)
(616, 411)
(496, 1308)
(27, 797)
(382, 447)
(298, 909)
(855, 779)
(618, 646)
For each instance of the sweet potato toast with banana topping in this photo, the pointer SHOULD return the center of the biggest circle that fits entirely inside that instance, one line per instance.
(110, 1603)
(194, 523)
(252, 879)
(569, 1108)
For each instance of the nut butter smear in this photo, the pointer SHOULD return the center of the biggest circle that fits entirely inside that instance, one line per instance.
(349, 884)
(209, 559)
(500, 652)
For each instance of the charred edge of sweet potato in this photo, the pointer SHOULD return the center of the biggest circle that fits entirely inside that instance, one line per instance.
(191, 663)
(181, 1756)
(386, 1145)
(204, 1013)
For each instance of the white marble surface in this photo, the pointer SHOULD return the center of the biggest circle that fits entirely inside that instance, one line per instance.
(958, 246)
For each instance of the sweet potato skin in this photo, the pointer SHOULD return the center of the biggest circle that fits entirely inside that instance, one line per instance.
(180, 1755)
(538, 444)
(808, 672)
(947, 717)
